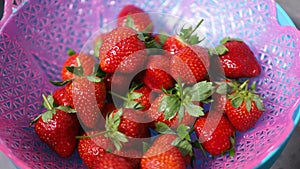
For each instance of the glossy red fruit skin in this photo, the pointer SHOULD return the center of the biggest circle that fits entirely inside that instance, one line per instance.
(122, 51)
(145, 99)
(61, 97)
(219, 141)
(157, 75)
(240, 118)
(190, 64)
(130, 155)
(173, 45)
(111, 161)
(134, 124)
(166, 141)
(59, 133)
(239, 61)
(157, 116)
(91, 150)
(140, 18)
(162, 155)
(107, 109)
(116, 83)
(87, 62)
(88, 99)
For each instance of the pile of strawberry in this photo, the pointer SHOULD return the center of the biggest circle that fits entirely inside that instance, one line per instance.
(170, 88)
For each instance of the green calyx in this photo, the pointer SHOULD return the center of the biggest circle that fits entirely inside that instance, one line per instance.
(113, 121)
(222, 49)
(144, 35)
(183, 139)
(96, 76)
(243, 94)
(51, 107)
(187, 34)
(180, 99)
(71, 52)
(97, 47)
(132, 96)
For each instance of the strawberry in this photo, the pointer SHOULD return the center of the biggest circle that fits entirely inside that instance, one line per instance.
(160, 117)
(57, 127)
(133, 124)
(61, 97)
(92, 149)
(157, 73)
(122, 51)
(180, 139)
(173, 44)
(244, 106)
(237, 59)
(214, 132)
(140, 18)
(138, 98)
(107, 109)
(162, 155)
(123, 124)
(88, 99)
(130, 155)
(111, 161)
(180, 104)
(190, 64)
(86, 62)
(116, 82)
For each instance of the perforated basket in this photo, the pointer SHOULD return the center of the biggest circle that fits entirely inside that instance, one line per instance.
(34, 40)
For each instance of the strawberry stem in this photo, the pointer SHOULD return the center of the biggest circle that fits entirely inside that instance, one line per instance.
(197, 26)
(91, 136)
(244, 85)
(49, 106)
(117, 95)
(71, 52)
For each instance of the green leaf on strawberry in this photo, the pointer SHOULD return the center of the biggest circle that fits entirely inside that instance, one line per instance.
(162, 128)
(181, 99)
(186, 34)
(51, 107)
(112, 123)
(182, 141)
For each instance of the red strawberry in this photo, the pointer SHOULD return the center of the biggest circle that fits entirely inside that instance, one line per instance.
(123, 51)
(111, 161)
(87, 63)
(190, 64)
(61, 97)
(130, 155)
(181, 104)
(107, 109)
(117, 83)
(162, 155)
(157, 73)
(57, 128)
(214, 131)
(244, 107)
(237, 59)
(140, 18)
(157, 116)
(138, 98)
(88, 98)
(174, 44)
(133, 124)
(91, 150)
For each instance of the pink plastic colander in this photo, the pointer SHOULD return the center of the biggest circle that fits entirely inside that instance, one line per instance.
(34, 41)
